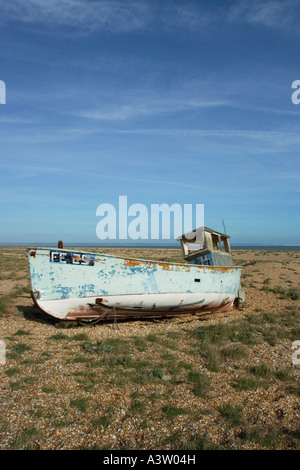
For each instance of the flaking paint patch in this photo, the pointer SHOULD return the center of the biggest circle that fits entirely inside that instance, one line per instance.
(63, 292)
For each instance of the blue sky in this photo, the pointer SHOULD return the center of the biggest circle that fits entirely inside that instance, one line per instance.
(183, 102)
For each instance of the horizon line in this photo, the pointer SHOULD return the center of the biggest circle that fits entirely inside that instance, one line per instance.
(133, 245)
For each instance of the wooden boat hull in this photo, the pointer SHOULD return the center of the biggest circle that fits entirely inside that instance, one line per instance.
(71, 285)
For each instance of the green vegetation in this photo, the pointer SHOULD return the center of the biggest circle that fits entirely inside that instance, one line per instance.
(20, 348)
(292, 293)
(266, 438)
(196, 442)
(232, 414)
(80, 403)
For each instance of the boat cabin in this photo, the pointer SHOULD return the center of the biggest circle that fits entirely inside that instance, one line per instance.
(206, 247)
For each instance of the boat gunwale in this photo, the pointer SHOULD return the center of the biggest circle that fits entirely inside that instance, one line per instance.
(126, 258)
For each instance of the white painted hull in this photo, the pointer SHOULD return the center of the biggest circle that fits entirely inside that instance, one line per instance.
(82, 285)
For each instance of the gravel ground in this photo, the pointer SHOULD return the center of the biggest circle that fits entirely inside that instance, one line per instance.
(136, 388)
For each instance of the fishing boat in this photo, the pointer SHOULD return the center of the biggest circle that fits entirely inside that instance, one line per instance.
(85, 286)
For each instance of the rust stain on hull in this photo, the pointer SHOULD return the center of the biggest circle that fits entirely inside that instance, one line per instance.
(94, 312)
(110, 314)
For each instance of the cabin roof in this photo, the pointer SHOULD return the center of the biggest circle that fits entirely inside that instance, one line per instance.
(198, 231)
(206, 229)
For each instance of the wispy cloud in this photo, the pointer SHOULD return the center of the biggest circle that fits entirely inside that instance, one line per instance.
(119, 16)
(36, 171)
(103, 15)
(268, 136)
(15, 120)
(147, 108)
(114, 15)
(271, 13)
(36, 134)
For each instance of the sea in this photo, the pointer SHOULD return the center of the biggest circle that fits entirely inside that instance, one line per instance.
(153, 246)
